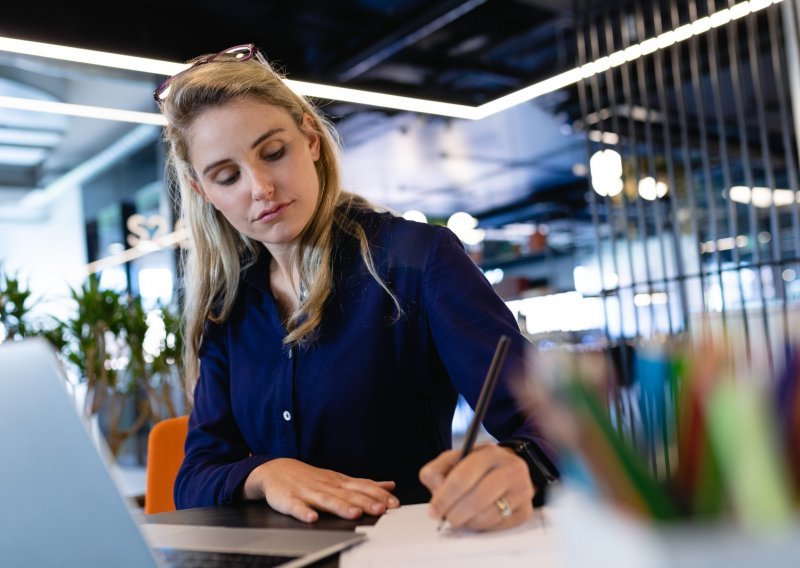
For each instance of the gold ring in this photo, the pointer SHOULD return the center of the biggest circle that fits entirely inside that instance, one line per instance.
(503, 507)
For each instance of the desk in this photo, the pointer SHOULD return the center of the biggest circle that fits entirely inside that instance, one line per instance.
(258, 515)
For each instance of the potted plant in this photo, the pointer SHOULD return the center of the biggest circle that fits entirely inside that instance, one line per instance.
(15, 305)
(155, 355)
(127, 385)
(128, 357)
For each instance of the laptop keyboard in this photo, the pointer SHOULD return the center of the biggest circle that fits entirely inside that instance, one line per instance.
(194, 559)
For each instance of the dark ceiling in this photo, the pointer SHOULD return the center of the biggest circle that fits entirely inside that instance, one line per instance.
(465, 51)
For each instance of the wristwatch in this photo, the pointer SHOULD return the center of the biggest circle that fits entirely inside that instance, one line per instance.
(543, 473)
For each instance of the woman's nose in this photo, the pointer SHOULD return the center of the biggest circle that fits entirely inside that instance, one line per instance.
(262, 186)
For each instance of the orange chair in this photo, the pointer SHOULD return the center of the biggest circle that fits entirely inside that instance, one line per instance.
(164, 457)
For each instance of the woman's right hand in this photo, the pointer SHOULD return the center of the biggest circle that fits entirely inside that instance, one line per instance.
(300, 490)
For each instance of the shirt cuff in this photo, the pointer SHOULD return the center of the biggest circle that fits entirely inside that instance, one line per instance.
(543, 473)
(232, 491)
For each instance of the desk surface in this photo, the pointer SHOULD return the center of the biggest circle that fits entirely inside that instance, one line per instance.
(258, 515)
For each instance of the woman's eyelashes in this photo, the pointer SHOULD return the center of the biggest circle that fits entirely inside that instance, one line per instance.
(273, 155)
(227, 176)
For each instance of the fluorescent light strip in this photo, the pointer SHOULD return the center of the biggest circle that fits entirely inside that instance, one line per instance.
(381, 99)
(91, 57)
(623, 56)
(359, 96)
(528, 93)
(69, 109)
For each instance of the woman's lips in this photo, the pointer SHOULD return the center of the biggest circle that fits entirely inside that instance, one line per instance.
(271, 213)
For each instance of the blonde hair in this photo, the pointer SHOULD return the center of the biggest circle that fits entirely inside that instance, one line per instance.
(218, 252)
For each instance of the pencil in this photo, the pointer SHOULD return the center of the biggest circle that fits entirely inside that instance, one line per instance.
(489, 382)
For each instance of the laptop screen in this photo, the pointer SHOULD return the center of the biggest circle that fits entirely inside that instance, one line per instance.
(62, 507)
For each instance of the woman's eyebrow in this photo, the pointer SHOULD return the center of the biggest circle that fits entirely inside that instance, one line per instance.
(264, 136)
(258, 141)
(213, 165)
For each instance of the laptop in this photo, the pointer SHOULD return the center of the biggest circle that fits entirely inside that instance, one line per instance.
(60, 506)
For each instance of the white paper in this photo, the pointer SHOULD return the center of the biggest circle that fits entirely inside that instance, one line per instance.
(408, 537)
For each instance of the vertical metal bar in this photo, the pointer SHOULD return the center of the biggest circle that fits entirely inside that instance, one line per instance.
(634, 145)
(677, 77)
(733, 221)
(651, 162)
(594, 82)
(679, 279)
(641, 217)
(680, 267)
(612, 102)
(580, 35)
(737, 81)
(657, 203)
(791, 24)
(610, 76)
(766, 158)
(788, 146)
(708, 182)
(621, 343)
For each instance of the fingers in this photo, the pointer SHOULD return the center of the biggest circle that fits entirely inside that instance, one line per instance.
(341, 504)
(433, 474)
(490, 517)
(299, 490)
(467, 494)
(304, 504)
(372, 496)
(295, 507)
(479, 509)
(461, 477)
(345, 502)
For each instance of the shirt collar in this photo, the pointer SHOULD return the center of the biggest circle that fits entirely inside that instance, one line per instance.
(257, 274)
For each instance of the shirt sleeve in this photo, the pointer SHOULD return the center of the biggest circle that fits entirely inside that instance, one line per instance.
(467, 318)
(217, 459)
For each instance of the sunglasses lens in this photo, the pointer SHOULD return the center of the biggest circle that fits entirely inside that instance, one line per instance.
(163, 92)
(241, 52)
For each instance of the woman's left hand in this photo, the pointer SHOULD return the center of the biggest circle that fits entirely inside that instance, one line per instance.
(475, 492)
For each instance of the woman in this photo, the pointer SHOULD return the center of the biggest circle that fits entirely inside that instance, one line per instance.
(326, 342)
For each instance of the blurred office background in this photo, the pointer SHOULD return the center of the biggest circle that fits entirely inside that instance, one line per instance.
(617, 169)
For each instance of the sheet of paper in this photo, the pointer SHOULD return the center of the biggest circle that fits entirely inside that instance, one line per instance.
(408, 537)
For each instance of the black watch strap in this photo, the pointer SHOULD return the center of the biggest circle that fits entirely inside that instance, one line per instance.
(543, 473)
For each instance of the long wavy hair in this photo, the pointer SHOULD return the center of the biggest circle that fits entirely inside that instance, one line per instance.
(218, 252)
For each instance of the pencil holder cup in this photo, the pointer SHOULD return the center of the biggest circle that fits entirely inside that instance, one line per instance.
(688, 459)
(592, 534)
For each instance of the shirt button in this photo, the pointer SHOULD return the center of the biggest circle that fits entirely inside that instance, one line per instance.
(287, 415)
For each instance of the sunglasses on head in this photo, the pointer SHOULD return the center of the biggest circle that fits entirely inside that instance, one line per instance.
(237, 53)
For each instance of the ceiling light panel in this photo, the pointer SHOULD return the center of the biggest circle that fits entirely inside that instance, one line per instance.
(23, 137)
(21, 156)
(85, 111)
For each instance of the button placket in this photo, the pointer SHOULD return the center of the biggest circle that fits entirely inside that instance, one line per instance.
(288, 411)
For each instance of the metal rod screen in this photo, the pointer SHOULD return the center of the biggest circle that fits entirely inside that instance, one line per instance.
(694, 183)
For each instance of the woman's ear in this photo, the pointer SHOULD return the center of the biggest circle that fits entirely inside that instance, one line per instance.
(310, 130)
(195, 185)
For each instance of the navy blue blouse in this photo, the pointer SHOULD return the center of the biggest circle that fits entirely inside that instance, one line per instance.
(373, 395)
